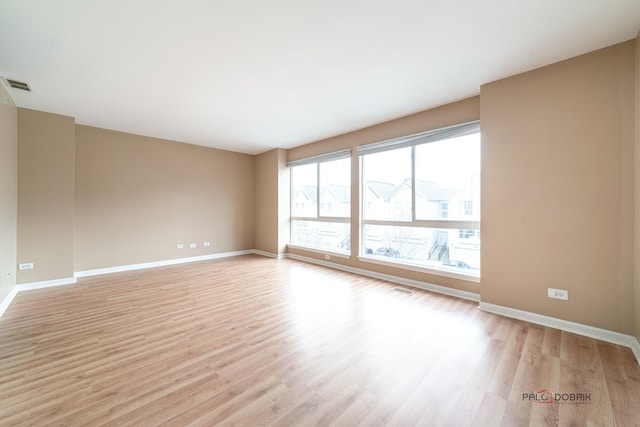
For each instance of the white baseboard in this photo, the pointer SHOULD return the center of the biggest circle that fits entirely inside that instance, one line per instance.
(565, 325)
(636, 349)
(33, 285)
(269, 254)
(390, 278)
(57, 282)
(7, 300)
(130, 267)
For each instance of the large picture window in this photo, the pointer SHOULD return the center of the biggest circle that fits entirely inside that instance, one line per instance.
(421, 200)
(321, 202)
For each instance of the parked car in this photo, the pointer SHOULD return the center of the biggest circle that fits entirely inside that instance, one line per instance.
(388, 252)
(456, 264)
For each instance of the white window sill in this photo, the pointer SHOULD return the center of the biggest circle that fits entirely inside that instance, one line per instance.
(453, 274)
(322, 251)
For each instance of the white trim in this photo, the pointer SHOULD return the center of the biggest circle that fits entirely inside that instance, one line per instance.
(320, 158)
(7, 300)
(472, 296)
(45, 284)
(447, 224)
(565, 325)
(30, 286)
(319, 218)
(635, 348)
(57, 282)
(425, 137)
(268, 254)
(164, 263)
(421, 269)
(320, 251)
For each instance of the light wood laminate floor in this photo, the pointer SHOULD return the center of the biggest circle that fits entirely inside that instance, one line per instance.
(254, 341)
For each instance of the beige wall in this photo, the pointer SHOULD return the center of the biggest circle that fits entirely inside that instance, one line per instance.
(46, 145)
(266, 185)
(451, 114)
(459, 112)
(8, 192)
(272, 202)
(557, 189)
(137, 197)
(637, 190)
(284, 202)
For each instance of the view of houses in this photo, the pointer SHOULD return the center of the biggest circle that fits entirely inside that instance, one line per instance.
(388, 202)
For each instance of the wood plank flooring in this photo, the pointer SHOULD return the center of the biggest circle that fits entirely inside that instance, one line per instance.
(253, 341)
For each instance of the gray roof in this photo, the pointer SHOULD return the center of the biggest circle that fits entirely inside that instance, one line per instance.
(425, 189)
(310, 192)
(383, 190)
(433, 191)
(342, 193)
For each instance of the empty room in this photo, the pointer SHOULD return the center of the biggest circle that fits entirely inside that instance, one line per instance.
(409, 213)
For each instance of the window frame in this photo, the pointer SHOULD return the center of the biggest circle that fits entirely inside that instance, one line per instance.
(318, 160)
(441, 224)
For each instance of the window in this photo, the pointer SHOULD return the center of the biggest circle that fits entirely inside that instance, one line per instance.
(467, 207)
(444, 209)
(468, 234)
(419, 200)
(321, 202)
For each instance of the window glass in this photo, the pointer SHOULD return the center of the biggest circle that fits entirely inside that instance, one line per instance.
(321, 205)
(304, 182)
(335, 188)
(386, 180)
(448, 179)
(333, 236)
(449, 249)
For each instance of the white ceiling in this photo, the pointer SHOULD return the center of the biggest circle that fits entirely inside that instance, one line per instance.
(251, 75)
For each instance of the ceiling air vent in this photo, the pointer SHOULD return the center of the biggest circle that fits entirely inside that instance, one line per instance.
(16, 84)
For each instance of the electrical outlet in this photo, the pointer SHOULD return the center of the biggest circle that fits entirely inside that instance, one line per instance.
(206, 244)
(26, 266)
(180, 246)
(558, 293)
(192, 245)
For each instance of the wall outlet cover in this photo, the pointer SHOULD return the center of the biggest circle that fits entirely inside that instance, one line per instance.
(558, 293)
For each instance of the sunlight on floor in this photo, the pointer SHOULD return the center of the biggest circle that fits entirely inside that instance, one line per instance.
(390, 319)
(315, 302)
